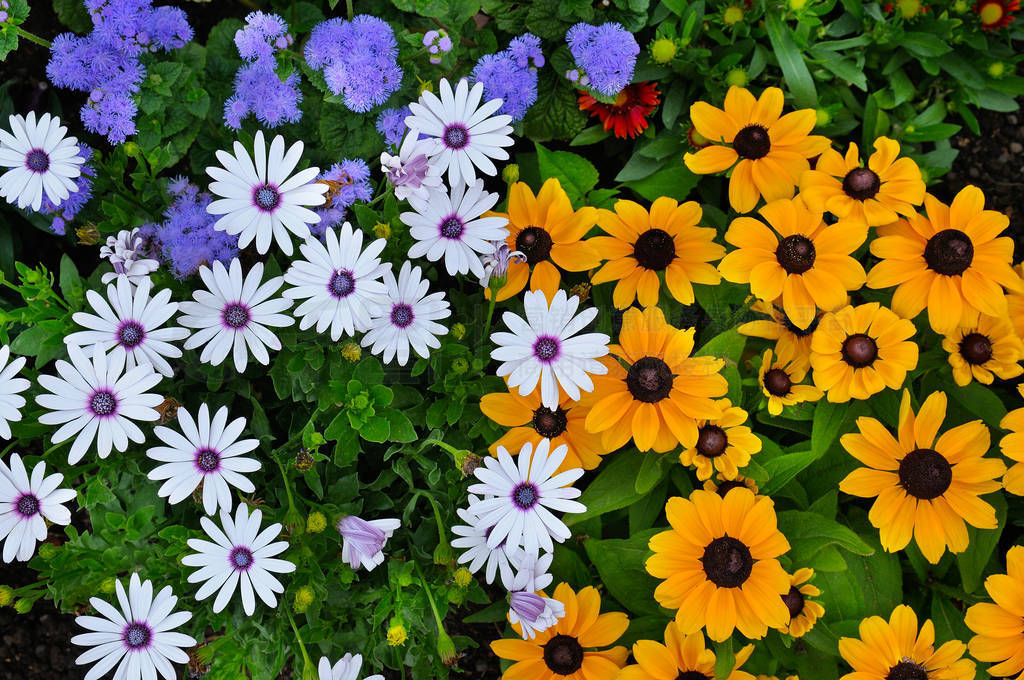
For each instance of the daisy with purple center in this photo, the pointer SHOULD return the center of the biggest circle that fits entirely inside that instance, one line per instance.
(27, 500)
(139, 639)
(519, 500)
(206, 452)
(260, 201)
(41, 159)
(408, 317)
(98, 399)
(362, 542)
(470, 134)
(410, 172)
(234, 313)
(240, 556)
(11, 386)
(472, 539)
(542, 349)
(129, 323)
(450, 225)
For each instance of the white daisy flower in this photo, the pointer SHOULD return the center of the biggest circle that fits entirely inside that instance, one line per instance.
(346, 669)
(140, 636)
(362, 542)
(40, 159)
(234, 313)
(450, 226)
(260, 201)
(240, 556)
(130, 325)
(125, 254)
(469, 133)
(532, 571)
(541, 348)
(410, 172)
(534, 613)
(408, 317)
(209, 453)
(518, 501)
(98, 400)
(472, 538)
(27, 500)
(10, 387)
(339, 281)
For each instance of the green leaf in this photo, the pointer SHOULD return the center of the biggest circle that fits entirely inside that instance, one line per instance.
(983, 542)
(923, 45)
(728, 346)
(809, 532)
(674, 181)
(782, 469)
(725, 660)
(613, 488)
(555, 114)
(73, 14)
(375, 429)
(70, 282)
(592, 135)
(576, 174)
(97, 493)
(401, 427)
(791, 61)
(620, 565)
(981, 401)
(948, 620)
(650, 473)
(870, 584)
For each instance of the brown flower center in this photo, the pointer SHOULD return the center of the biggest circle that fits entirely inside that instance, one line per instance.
(534, 243)
(801, 332)
(752, 142)
(860, 350)
(925, 474)
(861, 184)
(794, 601)
(795, 254)
(711, 441)
(727, 562)
(907, 670)
(548, 423)
(950, 252)
(777, 382)
(649, 380)
(563, 655)
(692, 675)
(654, 249)
(976, 349)
(727, 486)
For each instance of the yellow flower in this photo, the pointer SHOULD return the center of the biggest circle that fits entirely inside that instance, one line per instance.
(951, 261)
(874, 195)
(641, 244)
(803, 612)
(722, 486)
(984, 349)
(859, 351)
(1012, 446)
(719, 564)
(771, 149)
(923, 487)
(682, 656)
(896, 649)
(724, 444)
(789, 339)
(780, 382)
(809, 267)
(397, 635)
(999, 635)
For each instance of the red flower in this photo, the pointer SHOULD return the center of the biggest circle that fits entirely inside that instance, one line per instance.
(996, 14)
(627, 117)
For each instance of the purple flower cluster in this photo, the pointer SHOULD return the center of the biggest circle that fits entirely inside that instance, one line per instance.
(350, 182)
(358, 60)
(605, 53)
(258, 89)
(105, 63)
(511, 75)
(391, 124)
(437, 43)
(186, 239)
(70, 207)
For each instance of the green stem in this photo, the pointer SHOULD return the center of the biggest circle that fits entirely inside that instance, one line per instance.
(305, 654)
(441, 531)
(430, 599)
(32, 37)
(348, 9)
(490, 314)
(287, 485)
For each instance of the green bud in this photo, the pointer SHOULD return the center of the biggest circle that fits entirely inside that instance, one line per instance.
(458, 331)
(510, 173)
(23, 605)
(404, 579)
(459, 366)
(316, 522)
(303, 598)
(443, 554)
(446, 648)
(456, 596)
(107, 585)
(350, 352)
(824, 117)
(131, 148)
(663, 50)
(737, 77)
(6, 595)
(463, 577)
(48, 551)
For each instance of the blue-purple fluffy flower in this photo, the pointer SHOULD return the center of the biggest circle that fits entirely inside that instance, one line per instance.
(258, 89)
(349, 182)
(358, 60)
(606, 54)
(391, 124)
(511, 75)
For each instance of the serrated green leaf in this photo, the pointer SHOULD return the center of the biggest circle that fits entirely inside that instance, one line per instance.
(576, 174)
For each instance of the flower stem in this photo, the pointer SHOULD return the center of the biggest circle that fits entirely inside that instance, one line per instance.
(32, 37)
(302, 647)
(430, 599)
(490, 314)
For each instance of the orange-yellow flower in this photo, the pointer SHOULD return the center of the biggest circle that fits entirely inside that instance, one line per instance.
(1012, 446)
(780, 380)
(983, 350)
(724, 444)
(789, 340)
(803, 611)
(999, 635)
(682, 656)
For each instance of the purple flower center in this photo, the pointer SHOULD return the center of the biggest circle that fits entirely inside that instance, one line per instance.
(28, 505)
(37, 161)
(241, 558)
(546, 348)
(266, 197)
(452, 227)
(525, 496)
(487, 535)
(401, 315)
(455, 136)
(131, 334)
(236, 315)
(207, 460)
(342, 283)
(137, 635)
(103, 403)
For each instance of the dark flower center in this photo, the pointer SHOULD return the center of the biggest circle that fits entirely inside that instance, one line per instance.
(800, 332)
(535, 243)
(711, 441)
(241, 558)
(342, 283)
(401, 315)
(860, 350)
(861, 184)
(455, 136)
(752, 142)
(907, 670)
(727, 486)
(207, 459)
(37, 160)
(28, 505)
(525, 496)
(727, 562)
(950, 252)
(103, 403)
(777, 382)
(795, 254)
(266, 197)
(236, 315)
(654, 249)
(692, 675)
(563, 655)
(545, 348)
(649, 380)
(976, 349)
(131, 334)
(137, 635)
(925, 474)
(549, 423)
(794, 601)
(452, 227)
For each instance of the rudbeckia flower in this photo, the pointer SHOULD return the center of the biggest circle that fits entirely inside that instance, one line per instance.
(874, 195)
(925, 488)
(951, 261)
(780, 378)
(719, 564)
(859, 351)
(898, 650)
(722, 486)
(771, 149)
(996, 14)
(809, 266)
(985, 349)
(562, 650)
(789, 340)
(999, 634)
(641, 244)
(662, 391)
(724, 444)
(1012, 446)
(547, 231)
(803, 612)
(682, 656)
(627, 116)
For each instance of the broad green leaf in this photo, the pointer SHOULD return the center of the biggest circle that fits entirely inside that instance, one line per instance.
(674, 181)
(725, 659)
(620, 565)
(591, 135)
(576, 174)
(809, 532)
(650, 473)
(980, 401)
(791, 61)
(971, 562)
(613, 488)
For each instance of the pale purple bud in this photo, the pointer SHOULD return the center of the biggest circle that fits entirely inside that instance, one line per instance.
(429, 37)
(363, 538)
(528, 606)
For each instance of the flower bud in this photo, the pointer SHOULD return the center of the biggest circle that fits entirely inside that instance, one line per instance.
(463, 577)
(510, 173)
(316, 522)
(382, 230)
(88, 235)
(732, 15)
(443, 554)
(823, 117)
(663, 50)
(396, 633)
(459, 366)
(6, 595)
(303, 598)
(303, 460)
(446, 648)
(350, 351)
(48, 551)
(457, 331)
(23, 605)
(737, 77)
(107, 585)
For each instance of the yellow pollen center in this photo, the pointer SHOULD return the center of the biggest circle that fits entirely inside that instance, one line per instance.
(991, 13)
